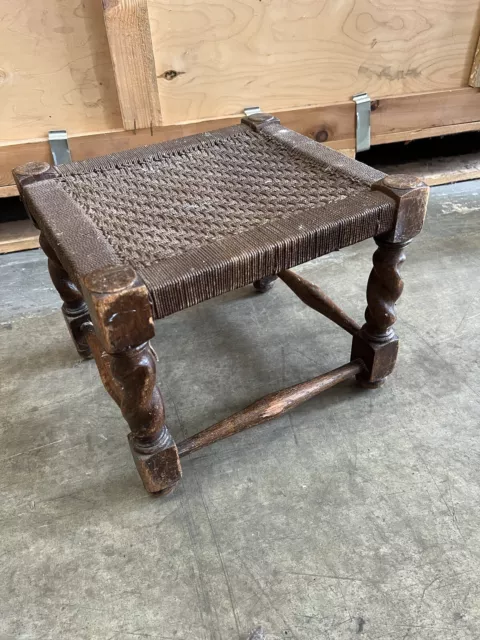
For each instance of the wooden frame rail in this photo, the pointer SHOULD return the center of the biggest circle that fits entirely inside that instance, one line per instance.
(269, 407)
(315, 298)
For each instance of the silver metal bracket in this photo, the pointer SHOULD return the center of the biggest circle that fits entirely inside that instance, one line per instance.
(362, 113)
(58, 141)
(249, 111)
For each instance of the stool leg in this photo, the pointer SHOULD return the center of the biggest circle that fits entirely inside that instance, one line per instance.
(151, 443)
(265, 284)
(377, 344)
(123, 325)
(74, 308)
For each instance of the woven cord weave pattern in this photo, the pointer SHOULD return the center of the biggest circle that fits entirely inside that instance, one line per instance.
(161, 206)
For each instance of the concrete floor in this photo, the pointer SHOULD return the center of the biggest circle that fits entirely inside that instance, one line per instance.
(356, 516)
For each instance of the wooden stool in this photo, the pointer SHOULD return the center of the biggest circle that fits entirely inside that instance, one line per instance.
(136, 236)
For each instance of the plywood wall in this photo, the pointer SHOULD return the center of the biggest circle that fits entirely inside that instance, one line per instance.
(211, 59)
(214, 58)
(55, 69)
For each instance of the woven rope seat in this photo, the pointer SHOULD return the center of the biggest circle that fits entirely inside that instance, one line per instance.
(209, 213)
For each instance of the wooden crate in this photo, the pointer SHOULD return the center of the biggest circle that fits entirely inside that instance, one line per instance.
(123, 73)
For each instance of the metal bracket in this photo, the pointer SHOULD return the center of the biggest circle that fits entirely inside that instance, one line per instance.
(249, 111)
(363, 111)
(58, 141)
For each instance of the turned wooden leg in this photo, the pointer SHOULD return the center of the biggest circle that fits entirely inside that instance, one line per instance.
(74, 308)
(376, 343)
(265, 284)
(122, 327)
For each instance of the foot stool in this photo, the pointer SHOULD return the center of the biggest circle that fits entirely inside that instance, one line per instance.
(136, 236)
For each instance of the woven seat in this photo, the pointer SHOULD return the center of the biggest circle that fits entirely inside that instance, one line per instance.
(209, 213)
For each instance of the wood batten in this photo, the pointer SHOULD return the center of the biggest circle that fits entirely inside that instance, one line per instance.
(130, 43)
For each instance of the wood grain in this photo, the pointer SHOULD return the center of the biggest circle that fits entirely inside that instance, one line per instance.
(215, 58)
(130, 42)
(401, 118)
(55, 70)
(8, 191)
(474, 79)
(103, 362)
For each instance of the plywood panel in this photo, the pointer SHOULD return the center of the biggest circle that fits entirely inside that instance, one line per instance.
(55, 69)
(214, 58)
(130, 43)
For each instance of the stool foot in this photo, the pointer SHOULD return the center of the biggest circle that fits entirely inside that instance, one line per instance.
(265, 284)
(365, 384)
(160, 469)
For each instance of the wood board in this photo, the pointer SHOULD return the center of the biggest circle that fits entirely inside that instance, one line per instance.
(211, 59)
(215, 58)
(18, 235)
(440, 170)
(8, 191)
(55, 70)
(131, 49)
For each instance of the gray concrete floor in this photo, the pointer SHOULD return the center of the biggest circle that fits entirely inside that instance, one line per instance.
(356, 516)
